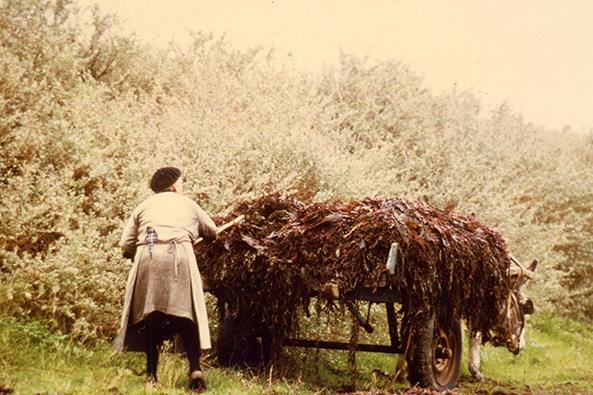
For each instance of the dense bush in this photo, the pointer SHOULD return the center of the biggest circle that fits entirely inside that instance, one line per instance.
(88, 113)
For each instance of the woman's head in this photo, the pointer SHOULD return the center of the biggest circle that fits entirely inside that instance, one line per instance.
(165, 178)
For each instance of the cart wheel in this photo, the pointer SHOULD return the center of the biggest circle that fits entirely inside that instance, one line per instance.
(227, 347)
(235, 349)
(434, 357)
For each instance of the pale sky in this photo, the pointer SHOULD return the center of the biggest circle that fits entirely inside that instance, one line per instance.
(535, 55)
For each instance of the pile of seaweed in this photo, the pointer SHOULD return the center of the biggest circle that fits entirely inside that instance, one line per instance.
(284, 252)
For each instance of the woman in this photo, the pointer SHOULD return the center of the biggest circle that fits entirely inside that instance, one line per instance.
(164, 294)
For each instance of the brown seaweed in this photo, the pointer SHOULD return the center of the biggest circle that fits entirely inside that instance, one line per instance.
(284, 252)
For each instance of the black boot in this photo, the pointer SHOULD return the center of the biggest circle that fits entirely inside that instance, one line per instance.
(196, 381)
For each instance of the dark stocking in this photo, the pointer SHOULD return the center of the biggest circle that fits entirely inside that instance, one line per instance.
(152, 358)
(191, 341)
(155, 322)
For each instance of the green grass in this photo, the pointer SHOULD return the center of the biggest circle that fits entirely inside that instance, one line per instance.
(33, 360)
(557, 358)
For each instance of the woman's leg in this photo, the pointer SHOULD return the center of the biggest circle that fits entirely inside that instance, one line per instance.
(152, 357)
(154, 338)
(191, 341)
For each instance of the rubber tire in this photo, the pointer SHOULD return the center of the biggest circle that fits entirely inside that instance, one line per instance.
(425, 368)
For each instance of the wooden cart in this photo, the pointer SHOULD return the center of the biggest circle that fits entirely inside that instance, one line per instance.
(432, 349)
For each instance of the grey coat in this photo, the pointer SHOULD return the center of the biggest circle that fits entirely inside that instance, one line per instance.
(165, 278)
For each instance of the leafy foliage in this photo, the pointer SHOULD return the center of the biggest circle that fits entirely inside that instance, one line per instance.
(88, 113)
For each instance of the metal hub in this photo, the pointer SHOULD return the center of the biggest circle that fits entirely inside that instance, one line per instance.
(442, 361)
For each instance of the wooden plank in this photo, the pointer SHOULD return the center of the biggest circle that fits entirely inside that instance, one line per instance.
(341, 346)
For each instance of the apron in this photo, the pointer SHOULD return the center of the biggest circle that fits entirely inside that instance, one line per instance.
(165, 278)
